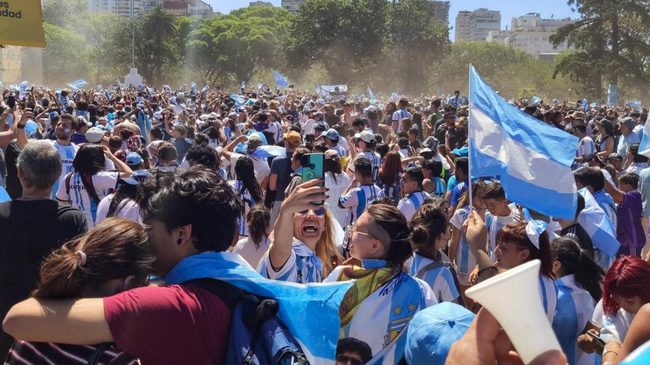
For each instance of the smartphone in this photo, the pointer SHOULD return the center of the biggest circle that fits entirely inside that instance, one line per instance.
(313, 167)
(596, 338)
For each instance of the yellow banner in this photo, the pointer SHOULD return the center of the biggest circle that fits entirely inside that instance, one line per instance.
(21, 23)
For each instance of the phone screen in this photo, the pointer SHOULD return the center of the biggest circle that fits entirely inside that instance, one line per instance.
(313, 167)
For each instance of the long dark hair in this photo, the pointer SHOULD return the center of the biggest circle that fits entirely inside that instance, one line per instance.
(578, 261)
(245, 172)
(426, 225)
(333, 166)
(125, 192)
(391, 167)
(393, 224)
(89, 160)
(258, 221)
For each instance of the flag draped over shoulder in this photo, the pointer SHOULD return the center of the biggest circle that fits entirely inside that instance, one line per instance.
(598, 225)
(310, 311)
(532, 158)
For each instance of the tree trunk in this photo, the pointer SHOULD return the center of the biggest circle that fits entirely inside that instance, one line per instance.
(615, 46)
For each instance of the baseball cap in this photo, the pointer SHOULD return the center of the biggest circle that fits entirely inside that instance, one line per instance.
(590, 156)
(321, 126)
(53, 115)
(94, 135)
(628, 122)
(433, 330)
(320, 102)
(615, 156)
(137, 176)
(332, 155)
(167, 151)
(332, 134)
(133, 159)
(577, 115)
(371, 109)
(366, 136)
(293, 138)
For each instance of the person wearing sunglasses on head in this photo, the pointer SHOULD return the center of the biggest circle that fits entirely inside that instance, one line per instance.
(377, 309)
(303, 248)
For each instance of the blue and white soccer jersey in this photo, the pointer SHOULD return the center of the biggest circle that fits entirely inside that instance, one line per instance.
(339, 150)
(374, 159)
(104, 182)
(398, 116)
(465, 261)
(409, 205)
(67, 154)
(440, 279)
(302, 267)
(249, 202)
(495, 223)
(548, 289)
(357, 200)
(574, 309)
(391, 191)
(441, 187)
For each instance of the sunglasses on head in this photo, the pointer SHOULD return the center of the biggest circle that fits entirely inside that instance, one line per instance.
(319, 212)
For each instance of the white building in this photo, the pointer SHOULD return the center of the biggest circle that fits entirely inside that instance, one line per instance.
(291, 5)
(531, 33)
(119, 7)
(461, 28)
(100, 6)
(262, 4)
(195, 8)
(481, 22)
(498, 36)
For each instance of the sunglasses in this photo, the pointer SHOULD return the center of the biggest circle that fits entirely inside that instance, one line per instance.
(319, 212)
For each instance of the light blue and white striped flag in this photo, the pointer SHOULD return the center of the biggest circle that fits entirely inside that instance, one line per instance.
(585, 105)
(167, 88)
(317, 336)
(259, 86)
(239, 100)
(598, 225)
(280, 80)
(532, 158)
(536, 100)
(193, 88)
(243, 84)
(79, 84)
(644, 147)
(371, 95)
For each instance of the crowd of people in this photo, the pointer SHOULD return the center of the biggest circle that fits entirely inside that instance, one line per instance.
(108, 192)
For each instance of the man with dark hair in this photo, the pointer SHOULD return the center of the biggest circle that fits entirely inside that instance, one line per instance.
(457, 184)
(203, 155)
(594, 181)
(414, 196)
(499, 212)
(400, 114)
(629, 211)
(357, 198)
(433, 183)
(586, 144)
(350, 351)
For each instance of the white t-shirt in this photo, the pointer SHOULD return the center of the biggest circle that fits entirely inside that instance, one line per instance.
(246, 249)
(374, 159)
(495, 223)
(336, 190)
(104, 182)
(127, 209)
(262, 169)
(67, 154)
(585, 146)
(615, 326)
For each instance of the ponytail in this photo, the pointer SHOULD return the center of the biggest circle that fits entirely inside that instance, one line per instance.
(578, 261)
(392, 226)
(114, 249)
(258, 221)
(427, 224)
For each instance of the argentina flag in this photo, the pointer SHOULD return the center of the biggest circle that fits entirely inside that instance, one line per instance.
(79, 84)
(644, 147)
(319, 303)
(598, 225)
(280, 80)
(532, 158)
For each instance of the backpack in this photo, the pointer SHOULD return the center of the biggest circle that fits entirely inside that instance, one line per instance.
(257, 336)
(436, 264)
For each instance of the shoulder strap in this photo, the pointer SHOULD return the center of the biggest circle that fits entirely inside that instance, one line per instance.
(440, 263)
(87, 180)
(433, 265)
(99, 351)
(227, 292)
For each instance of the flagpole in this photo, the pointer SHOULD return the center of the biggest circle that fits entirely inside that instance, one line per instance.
(469, 137)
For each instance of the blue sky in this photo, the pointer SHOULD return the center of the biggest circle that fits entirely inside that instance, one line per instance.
(509, 8)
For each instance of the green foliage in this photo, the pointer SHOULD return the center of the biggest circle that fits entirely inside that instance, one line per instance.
(527, 93)
(65, 57)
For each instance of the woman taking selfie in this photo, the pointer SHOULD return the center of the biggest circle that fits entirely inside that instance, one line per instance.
(384, 297)
(303, 248)
(111, 258)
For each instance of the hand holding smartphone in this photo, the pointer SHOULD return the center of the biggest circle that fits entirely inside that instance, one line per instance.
(313, 167)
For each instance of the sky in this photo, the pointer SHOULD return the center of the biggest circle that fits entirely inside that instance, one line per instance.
(509, 8)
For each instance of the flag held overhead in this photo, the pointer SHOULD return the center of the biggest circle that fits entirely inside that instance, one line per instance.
(532, 158)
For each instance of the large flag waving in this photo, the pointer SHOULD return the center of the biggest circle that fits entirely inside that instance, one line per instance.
(532, 158)
(280, 80)
(79, 84)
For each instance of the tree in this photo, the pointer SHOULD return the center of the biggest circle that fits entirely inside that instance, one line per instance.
(65, 57)
(159, 25)
(416, 40)
(612, 39)
(108, 36)
(347, 37)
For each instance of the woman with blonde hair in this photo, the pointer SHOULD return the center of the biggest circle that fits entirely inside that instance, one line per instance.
(113, 257)
(303, 248)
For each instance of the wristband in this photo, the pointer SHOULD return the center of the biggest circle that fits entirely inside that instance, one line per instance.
(21, 126)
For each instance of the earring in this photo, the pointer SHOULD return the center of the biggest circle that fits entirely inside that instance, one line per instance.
(179, 241)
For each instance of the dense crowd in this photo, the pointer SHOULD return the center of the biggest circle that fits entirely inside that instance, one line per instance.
(113, 198)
